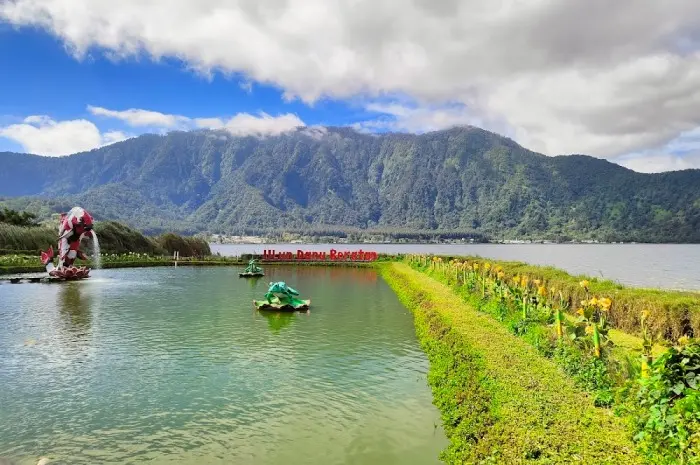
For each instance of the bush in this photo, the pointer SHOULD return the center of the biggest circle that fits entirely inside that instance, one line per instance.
(668, 416)
(23, 239)
(187, 246)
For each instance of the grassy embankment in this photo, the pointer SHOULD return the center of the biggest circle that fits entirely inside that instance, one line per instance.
(501, 402)
(660, 400)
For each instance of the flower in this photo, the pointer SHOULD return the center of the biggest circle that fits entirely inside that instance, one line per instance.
(605, 303)
(487, 266)
(584, 284)
(645, 314)
(542, 291)
(683, 340)
(584, 303)
(593, 302)
(500, 275)
(536, 282)
(523, 281)
(579, 311)
(589, 329)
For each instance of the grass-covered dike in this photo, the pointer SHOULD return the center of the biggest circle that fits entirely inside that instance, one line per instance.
(501, 402)
(652, 388)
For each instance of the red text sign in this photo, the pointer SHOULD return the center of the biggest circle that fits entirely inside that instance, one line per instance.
(334, 255)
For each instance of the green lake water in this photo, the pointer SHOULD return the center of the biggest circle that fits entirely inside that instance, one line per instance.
(173, 365)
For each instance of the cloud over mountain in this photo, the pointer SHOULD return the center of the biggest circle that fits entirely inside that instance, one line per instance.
(562, 76)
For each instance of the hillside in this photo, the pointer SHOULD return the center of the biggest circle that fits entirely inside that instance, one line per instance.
(463, 179)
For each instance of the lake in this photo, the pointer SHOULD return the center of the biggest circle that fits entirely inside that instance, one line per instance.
(666, 266)
(173, 365)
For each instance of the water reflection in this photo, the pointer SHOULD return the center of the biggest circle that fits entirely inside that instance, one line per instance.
(253, 282)
(75, 306)
(278, 320)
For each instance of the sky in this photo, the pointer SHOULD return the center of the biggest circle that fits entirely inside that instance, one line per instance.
(616, 80)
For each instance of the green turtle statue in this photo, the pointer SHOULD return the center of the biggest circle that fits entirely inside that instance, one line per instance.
(252, 270)
(281, 297)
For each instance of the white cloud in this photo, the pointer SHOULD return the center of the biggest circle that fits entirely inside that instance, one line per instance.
(137, 117)
(658, 162)
(241, 124)
(244, 124)
(41, 135)
(564, 76)
(246, 86)
(679, 154)
(418, 119)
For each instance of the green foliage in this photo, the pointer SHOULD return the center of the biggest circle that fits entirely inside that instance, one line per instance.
(672, 314)
(114, 238)
(501, 402)
(16, 218)
(668, 409)
(186, 246)
(117, 238)
(589, 373)
(462, 181)
(22, 239)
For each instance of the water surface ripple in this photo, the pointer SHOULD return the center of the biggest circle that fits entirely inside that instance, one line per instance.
(172, 365)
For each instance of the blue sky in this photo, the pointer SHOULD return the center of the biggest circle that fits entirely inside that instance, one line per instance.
(46, 80)
(79, 74)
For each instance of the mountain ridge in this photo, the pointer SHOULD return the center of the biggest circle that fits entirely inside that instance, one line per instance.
(459, 179)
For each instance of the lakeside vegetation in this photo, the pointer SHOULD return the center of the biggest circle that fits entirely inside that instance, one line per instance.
(672, 314)
(501, 402)
(655, 389)
(21, 235)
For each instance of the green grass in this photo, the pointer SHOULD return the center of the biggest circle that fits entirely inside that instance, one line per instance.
(672, 313)
(501, 402)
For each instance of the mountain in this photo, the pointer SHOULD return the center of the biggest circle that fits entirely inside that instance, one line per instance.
(463, 179)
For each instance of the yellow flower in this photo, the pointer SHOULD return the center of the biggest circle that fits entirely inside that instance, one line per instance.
(683, 340)
(536, 282)
(579, 311)
(605, 303)
(523, 281)
(645, 314)
(584, 284)
(500, 274)
(589, 329)
(542, 291)
(487, 266)
(593, 302)
(516, 279)
(584, 303)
